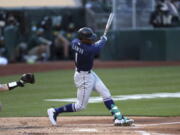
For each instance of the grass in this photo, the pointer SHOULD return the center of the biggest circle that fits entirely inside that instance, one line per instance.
(29, 100)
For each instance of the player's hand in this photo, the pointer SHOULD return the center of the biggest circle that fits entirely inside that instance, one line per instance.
(104, 37)
(26, 78)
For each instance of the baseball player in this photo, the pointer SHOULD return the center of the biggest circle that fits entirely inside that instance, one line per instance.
(86, 80)
(25, 78)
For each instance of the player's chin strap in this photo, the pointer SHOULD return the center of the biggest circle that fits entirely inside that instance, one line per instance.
(116, 112)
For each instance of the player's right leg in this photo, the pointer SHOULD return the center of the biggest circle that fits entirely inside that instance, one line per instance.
(119, 119)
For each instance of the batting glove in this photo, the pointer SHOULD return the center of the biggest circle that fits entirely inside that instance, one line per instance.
(104, 38)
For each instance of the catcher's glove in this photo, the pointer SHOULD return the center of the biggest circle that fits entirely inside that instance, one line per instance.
(27, 78)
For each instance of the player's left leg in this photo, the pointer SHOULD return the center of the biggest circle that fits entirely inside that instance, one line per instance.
(84, 83)
(101, 88)
(54, 112)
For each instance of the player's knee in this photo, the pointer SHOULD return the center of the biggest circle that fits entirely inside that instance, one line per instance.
(79, 107)
(107, 97)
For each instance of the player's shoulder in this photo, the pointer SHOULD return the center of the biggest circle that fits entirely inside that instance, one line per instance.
(75, 41)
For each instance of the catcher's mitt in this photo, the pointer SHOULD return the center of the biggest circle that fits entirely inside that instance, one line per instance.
(28, 78)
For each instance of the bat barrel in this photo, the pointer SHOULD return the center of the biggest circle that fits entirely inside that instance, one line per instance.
(108, 24)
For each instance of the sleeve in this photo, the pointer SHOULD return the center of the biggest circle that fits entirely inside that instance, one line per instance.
(99, 44)
(75, 41)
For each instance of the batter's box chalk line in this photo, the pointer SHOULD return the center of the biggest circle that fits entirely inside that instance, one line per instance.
(146, 133)
(86, 130)
(156, 124)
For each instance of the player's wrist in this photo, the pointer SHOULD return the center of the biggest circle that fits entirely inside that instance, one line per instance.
(12, 85)
(15, 84)
(20, 83)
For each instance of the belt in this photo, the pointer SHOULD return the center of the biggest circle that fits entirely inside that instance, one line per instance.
(89, 71)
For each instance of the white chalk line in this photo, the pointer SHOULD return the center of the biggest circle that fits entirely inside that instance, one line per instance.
(156, 124)
(86, 130)
(123, 97)
(143, 132)
(91, 130)
(147, 133)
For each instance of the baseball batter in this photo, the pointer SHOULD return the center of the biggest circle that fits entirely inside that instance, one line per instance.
(86, 80)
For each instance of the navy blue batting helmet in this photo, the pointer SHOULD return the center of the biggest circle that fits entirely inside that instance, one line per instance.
(86, 35)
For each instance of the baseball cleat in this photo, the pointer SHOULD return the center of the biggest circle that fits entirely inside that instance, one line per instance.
(123, 122)
(52, 116)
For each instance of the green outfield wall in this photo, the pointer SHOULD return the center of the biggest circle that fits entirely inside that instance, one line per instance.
(149, 45)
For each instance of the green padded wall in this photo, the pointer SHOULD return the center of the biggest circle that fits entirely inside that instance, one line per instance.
(147, 45)
(173, 44)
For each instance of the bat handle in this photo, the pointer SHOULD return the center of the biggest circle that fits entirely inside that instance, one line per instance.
(105, 33)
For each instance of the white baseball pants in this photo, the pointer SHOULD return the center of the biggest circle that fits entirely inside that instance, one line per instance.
(86, 83)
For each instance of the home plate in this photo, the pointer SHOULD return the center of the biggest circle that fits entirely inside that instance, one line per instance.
(86, 130)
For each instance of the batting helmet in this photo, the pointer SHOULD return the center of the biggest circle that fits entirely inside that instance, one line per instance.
(86, 35)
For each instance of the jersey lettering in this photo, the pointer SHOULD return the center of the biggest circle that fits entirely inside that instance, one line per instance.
(78, 49)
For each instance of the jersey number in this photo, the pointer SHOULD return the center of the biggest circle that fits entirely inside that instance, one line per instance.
(76, 57)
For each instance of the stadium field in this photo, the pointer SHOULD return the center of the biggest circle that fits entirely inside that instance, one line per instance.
(121, 81)
(31, 101)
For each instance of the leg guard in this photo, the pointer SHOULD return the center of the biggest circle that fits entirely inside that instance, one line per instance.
(115, 110)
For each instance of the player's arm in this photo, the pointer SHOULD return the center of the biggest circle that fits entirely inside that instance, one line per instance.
(10, 86)
(100, 44)
(4, 87)
(25, 78)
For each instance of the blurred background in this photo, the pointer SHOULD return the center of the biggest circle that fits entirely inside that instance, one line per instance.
(40, 31)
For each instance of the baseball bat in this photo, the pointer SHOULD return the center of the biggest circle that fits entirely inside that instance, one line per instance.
(108, 24)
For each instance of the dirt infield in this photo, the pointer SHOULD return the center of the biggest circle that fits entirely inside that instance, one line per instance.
(12, 69)
(89, 125)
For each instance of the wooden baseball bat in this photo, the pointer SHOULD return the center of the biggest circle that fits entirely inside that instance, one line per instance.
(108, 24)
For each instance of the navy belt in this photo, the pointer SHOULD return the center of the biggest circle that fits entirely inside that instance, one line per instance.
(88, 71)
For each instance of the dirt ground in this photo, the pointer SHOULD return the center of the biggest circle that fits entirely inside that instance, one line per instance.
(12, 69)
(89, 125)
